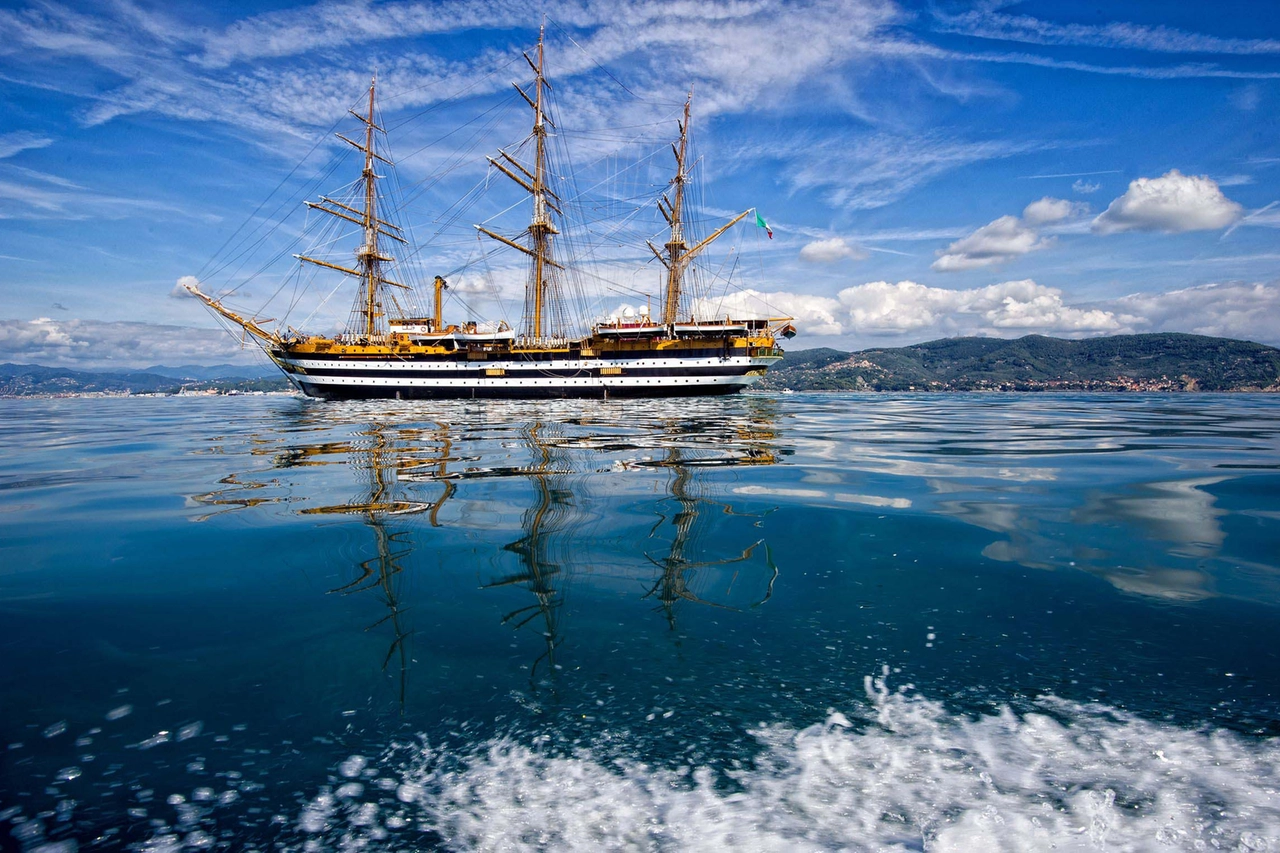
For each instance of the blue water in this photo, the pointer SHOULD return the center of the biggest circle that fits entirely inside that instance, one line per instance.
(807, 622)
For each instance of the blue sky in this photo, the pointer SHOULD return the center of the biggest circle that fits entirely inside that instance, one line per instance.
(928, 169)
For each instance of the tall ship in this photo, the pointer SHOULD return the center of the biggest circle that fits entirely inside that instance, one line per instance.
(395, 346)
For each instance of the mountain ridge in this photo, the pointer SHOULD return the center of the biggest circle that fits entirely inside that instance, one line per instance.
(1165, 361)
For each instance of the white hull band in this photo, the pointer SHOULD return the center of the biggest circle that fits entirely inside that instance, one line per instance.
(642, 377)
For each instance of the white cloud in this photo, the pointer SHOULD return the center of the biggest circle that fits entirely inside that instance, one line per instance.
(1001, 240)
(908, 312)
(1172, 203)
(830, 251)
(21, 140)
(180, 291)
(94, 343)
(1007, 237)
(881, 308)
(1048, 211)
(1232, 309)
(1085, 187)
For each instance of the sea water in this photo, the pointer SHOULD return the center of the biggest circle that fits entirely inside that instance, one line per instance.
(805, 622)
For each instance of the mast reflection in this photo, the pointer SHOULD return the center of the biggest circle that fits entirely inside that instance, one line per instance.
(587, 473)
(538, 572)
(679, 567)
(385, 464)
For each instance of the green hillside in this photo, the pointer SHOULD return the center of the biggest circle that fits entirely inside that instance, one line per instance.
(1156, 362)
(24, 380)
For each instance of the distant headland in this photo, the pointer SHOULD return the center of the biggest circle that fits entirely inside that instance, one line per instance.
(1153, 362)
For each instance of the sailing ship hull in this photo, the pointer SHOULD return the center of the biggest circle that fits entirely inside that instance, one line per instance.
(514, 377)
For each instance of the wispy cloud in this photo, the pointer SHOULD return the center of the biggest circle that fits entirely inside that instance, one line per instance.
(21, 140)
(1157, 39)
(882, 168)
(1071, 174)
(30, 194)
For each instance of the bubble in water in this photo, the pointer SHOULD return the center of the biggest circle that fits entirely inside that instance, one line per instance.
(190, 730)
(56, 729)
(352, 766)
(28, 830)
(155, 740)
(350, 791)
(316, 815)
(409, 792)
(198, 840)
(365, 815)
(56, 847)
(120, 712)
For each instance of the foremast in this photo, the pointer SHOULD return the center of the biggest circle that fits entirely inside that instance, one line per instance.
(370, 261)
(541, 229)
(678, 253)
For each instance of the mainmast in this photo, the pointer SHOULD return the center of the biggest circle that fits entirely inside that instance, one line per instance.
(678, 255)
(534, 181)
(676, 245)
(369, 258)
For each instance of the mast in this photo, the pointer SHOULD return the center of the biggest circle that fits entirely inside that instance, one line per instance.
(438, 319)
(534, 181)
(676, 245)
(369, 257)
(678, 255)
(368, 252)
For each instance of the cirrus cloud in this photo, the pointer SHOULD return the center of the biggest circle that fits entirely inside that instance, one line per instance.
(1172, 203)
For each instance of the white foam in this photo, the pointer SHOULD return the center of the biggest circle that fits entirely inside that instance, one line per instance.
(899, 772)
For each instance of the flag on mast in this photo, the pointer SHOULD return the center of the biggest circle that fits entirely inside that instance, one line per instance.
(760, 223)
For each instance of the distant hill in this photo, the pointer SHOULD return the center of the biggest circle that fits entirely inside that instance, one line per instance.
(1156, 362)
(24, 380)
(198, 372)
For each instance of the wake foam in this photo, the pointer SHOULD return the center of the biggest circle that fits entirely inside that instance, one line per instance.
(899, 773)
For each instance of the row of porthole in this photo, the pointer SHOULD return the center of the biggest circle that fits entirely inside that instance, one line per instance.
(502, 365)
(322, 380)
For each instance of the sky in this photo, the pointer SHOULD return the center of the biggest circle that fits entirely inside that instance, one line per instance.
(927, 169)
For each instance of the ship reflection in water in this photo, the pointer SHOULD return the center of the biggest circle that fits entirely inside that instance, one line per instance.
(420, 483)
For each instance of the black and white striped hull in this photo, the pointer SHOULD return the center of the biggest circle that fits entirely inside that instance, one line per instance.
(509, 378)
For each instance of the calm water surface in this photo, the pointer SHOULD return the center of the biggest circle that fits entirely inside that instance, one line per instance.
(969, 622)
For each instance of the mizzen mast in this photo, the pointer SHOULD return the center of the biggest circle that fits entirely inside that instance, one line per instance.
(678, 253)
(370, 262)
(534, 181)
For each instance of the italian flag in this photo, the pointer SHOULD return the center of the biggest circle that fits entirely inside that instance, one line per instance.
(760, 223)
